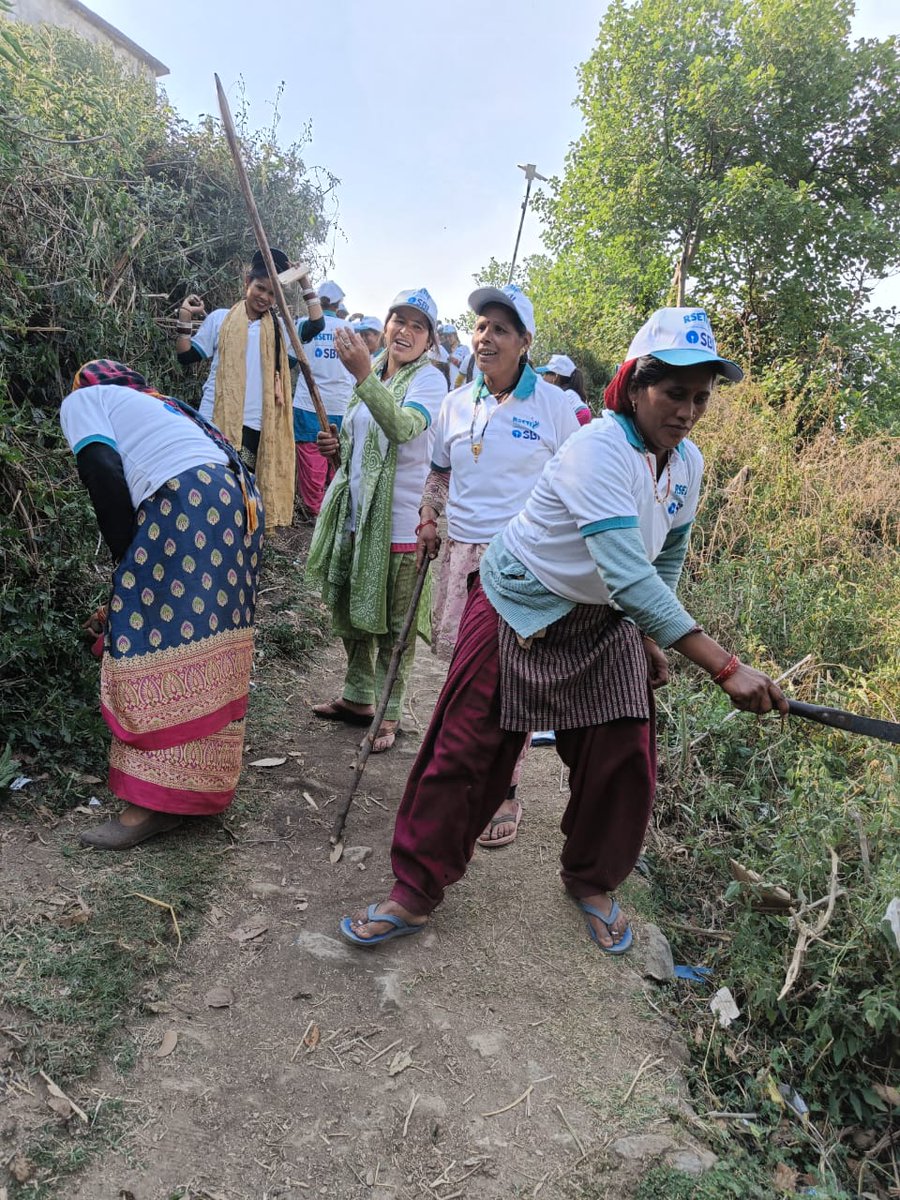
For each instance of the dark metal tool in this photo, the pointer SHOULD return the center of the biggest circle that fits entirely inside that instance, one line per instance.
(885, 731)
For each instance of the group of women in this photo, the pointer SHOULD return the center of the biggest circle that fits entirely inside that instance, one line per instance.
(555, 595)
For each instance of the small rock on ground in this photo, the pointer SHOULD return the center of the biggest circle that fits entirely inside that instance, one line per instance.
(656, 954)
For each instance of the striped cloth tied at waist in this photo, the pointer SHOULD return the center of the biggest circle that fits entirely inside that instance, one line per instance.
(588, 668)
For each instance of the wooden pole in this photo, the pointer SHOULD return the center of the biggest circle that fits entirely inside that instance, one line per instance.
(263, 243)
(365, 746)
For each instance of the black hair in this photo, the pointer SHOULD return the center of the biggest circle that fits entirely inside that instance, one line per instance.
(649, 371)
(432, 342)
(258, 266)
(573, 383)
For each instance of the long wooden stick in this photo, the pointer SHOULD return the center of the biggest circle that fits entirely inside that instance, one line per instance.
(263, 243)
(365, 746)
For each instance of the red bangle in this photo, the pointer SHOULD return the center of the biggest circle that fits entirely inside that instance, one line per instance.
(419, 528)
(728, 670)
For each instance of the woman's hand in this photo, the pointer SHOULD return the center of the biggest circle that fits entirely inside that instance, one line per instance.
(657, 664)
(428, 543)
(753, 691)
(353, 353)
(192, 309)
(329, 444)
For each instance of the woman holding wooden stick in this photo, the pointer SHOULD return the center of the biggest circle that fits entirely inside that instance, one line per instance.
(363, 548)
(183, 520)
(492, 440)
(247, 393)
(575, 598)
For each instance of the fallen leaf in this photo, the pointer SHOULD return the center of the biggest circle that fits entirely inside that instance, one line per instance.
(157, 1006)
(83, 808)
(219, 997)
(890, 1095)
(295, 753)
(22, 1168)
(56, 1093)
(69, 920)
(269, 762)
(246, 933)
(336, 852)
(723, 1005)
(313, 1037)
(167, 1045)
(785, 1178)
(309, 800)
(91, 779)
(401, 1060)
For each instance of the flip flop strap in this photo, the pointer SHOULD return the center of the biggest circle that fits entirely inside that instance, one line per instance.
(608, 919)
(372, 914)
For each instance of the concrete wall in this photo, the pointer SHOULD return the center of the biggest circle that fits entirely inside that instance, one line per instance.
(72, 16)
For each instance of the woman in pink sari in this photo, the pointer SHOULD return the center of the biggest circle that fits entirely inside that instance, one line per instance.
(183, 520)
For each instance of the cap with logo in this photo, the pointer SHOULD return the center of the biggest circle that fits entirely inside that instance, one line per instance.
(329, 290)
(682, 337)
(447, 328)
(510, 297)
(417, 298)
(559, 364)
(368, 325)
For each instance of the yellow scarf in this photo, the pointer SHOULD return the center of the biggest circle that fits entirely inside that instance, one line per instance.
(275, 460)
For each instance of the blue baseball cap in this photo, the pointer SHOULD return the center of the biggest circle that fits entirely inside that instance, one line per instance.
(370, 324)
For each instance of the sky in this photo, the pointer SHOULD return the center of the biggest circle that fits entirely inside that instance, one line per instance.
(422, 111)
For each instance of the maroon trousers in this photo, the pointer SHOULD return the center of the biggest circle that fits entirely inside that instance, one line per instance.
(466, 763)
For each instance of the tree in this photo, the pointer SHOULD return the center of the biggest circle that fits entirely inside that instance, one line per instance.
(742, 155)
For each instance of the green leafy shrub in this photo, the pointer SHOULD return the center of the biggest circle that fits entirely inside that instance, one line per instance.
(111, 209)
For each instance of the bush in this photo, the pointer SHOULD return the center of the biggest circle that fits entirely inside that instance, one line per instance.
(116, 208)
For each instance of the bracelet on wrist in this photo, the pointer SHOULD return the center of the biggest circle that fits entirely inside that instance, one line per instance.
(419, 528)
(727, 671)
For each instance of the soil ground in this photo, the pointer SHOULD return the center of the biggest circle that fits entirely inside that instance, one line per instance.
(495, 1055)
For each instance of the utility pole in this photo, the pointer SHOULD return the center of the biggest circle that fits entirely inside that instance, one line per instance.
(531, 173)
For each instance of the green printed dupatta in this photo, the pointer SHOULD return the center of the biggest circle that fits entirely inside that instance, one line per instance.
(352, 570)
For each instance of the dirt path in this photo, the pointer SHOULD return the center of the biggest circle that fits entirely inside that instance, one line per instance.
(499, 1054)
(349, 1074)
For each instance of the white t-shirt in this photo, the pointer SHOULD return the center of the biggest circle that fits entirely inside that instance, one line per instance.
(426, 392)
(458, 370)
(206, 342)
(601, 479)
(334, 381)
(518, 438)
(155, 440)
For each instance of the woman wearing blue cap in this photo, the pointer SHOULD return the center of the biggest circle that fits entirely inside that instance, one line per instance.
(575, 599)
(363, 548)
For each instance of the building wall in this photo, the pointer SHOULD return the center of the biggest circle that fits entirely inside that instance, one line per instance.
(62, 15)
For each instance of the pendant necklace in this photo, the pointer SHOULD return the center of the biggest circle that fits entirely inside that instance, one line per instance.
(478, 446)
(652, 468)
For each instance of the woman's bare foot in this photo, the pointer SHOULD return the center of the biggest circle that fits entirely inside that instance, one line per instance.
(607, 937)
(365, 928)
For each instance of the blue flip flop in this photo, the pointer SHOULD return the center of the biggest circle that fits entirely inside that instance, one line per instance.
(608, 920)
(401, 928)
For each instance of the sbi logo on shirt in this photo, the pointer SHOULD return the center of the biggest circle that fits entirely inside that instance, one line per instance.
(680, 492)
(525, 429)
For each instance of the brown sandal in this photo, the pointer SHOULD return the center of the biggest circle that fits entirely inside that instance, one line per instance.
(492, 843)
(337, 710)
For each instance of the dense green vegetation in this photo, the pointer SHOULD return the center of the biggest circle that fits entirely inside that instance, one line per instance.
(111, 209)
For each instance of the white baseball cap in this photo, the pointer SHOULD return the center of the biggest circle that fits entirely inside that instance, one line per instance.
(682, 337)
(368, 323)
(448, 328)
(418, 298)
(559, 364)
(510, 297)
(330, 290)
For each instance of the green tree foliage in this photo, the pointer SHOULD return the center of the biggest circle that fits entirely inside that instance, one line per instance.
(743, 155)
(111, 208)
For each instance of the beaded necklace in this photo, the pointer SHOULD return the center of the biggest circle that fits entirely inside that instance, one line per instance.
(650, 460)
